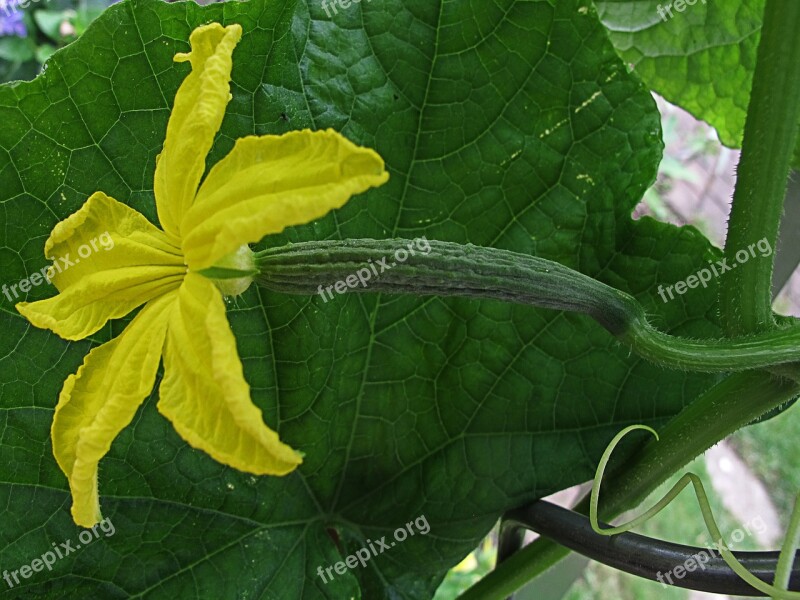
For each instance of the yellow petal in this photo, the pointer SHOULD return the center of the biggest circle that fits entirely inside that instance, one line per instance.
(204, 392)
(196, 117)
(109, 259)
(101, 399)
(272, 182)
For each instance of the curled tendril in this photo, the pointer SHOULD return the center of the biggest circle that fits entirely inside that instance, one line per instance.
(777, 590)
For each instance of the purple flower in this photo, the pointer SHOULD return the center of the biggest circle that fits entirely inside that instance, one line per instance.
(11, 22)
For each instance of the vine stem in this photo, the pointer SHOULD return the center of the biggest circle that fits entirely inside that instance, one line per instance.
(769, 141)
(449, 269)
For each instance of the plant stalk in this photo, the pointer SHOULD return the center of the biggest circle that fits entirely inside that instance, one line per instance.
(770, 137)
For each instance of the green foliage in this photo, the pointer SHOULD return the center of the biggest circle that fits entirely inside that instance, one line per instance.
(701, 58)
(511, 124)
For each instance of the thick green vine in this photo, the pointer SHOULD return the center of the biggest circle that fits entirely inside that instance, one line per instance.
(769, 141)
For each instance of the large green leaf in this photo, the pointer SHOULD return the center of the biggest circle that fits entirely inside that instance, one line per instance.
(510, 124)
(701, 58)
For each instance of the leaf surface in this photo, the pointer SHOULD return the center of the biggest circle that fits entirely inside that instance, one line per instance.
(701, 58)
(510, 124)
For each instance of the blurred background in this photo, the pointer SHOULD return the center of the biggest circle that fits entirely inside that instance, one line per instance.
(31, 30)
(751, 476)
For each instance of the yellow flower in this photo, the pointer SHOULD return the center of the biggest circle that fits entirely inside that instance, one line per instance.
(264, 185)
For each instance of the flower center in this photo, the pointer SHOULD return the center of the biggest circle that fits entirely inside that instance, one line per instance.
(233, 274)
